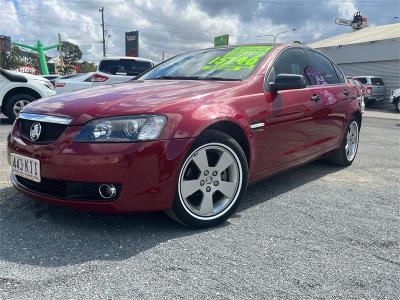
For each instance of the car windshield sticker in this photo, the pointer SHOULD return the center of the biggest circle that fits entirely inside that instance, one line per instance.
(245, 57)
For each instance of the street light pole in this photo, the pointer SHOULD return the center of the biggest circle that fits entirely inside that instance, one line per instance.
(276, 35)
(104, 33)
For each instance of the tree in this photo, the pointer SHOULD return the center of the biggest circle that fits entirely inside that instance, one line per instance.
(71, 55)
(13, 59)
(87, 67)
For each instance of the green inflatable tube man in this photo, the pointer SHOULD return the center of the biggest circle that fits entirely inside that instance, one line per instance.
(40, 49)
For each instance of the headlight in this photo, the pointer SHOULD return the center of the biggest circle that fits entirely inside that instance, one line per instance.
(123, 129)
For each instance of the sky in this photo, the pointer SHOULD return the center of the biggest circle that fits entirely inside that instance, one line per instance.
(175, 26)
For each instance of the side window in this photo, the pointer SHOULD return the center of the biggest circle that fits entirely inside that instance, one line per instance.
(321, 70)
(339, 74)
(292, 61)
(363, 80)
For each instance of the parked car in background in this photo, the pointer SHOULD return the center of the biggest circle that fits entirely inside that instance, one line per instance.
(120, 69)
(362, 92)
(73, 83)
(110, 70)
(395, 99)
(188, 136)
(19, 89)
(375, 88)
(51, 78)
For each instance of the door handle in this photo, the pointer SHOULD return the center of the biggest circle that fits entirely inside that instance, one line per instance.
(316, 98)
(346, 92)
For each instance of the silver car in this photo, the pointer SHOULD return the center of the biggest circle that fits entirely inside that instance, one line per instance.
(375, 88)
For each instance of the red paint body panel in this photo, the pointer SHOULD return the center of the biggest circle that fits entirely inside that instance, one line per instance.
(296, 130)
(147, 171)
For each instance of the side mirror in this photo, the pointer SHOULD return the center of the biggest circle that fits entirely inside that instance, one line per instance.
(287, 82)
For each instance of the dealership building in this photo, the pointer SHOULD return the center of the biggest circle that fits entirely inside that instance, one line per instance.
(373, 51)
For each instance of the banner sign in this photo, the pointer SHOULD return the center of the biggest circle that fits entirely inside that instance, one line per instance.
(132, 43)
(222, 40)
(340, 21)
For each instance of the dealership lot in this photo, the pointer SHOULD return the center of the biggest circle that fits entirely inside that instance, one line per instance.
(316, 231)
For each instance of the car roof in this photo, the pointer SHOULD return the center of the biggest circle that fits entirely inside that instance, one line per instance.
(126, 57)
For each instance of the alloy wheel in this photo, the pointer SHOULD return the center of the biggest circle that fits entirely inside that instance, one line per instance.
(352, 141)
(210, 180)
(19, 105)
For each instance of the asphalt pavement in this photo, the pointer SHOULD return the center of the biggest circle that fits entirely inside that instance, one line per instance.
(319, 231)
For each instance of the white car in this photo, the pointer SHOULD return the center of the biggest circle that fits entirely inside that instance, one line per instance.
(78, 82)
(19, 89)
(395, 99)
(110, 70)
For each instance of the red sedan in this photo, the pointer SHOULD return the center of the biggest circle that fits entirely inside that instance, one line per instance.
(188, 136)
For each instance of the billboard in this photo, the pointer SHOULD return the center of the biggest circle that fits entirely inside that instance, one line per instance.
(221, 40)
(132, 43)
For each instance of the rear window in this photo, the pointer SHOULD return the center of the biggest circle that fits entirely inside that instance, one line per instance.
(124, 67)
(363, 80)
(377, 81)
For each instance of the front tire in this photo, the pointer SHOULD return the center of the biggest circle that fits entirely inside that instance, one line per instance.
(212, 181)
(15, 104)
(346, 153)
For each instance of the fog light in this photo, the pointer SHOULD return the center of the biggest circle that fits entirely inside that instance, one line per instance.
(107, 191)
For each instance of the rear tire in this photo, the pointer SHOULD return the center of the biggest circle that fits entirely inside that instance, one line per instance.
(368, 102)
(397, 104)
(346, 153)
(15, 104)
(212, 181)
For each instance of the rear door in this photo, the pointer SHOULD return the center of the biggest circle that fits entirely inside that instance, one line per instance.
(293, 127)
(329, 82)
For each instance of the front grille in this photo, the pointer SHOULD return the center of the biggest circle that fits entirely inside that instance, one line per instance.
(71, 190)
(50, 132)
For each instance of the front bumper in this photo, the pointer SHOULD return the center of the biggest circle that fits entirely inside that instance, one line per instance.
(147, 172)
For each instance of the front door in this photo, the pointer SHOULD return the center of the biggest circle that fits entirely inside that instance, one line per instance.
(295, 115)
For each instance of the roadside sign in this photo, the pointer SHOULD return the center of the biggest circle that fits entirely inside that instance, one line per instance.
(221, 40)
(132, 43)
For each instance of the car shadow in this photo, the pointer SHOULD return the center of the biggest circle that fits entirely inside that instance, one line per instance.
(35, 233)
(5, 121)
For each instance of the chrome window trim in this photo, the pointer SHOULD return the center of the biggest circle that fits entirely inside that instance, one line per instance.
(45, 118)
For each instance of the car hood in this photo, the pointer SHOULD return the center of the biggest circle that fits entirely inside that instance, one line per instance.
(136, 97)
(28, 76)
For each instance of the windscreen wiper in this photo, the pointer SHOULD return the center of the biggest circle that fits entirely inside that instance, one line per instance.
(176, 77)
(195, 78)
(220, 78)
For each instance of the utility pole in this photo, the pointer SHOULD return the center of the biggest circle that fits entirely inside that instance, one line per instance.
(104, 34)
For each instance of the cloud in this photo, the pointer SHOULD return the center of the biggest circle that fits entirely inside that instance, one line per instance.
(173, 26)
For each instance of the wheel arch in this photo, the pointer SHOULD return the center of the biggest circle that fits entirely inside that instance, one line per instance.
(233, 130)
(358, 116)
(18, 90)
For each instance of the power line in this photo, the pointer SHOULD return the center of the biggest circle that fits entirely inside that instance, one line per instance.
(95, 24)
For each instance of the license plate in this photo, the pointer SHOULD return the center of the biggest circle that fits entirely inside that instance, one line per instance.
(26, 167)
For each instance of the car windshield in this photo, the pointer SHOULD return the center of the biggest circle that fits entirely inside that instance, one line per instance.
(124, 66)
(225, 63)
